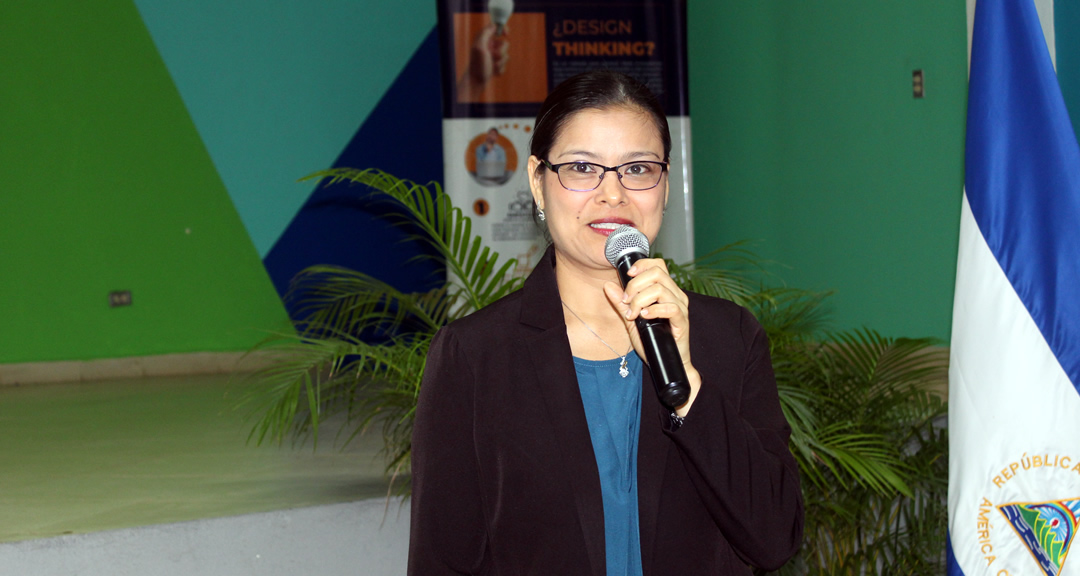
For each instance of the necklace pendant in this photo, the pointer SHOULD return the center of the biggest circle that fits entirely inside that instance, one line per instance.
(623, 370)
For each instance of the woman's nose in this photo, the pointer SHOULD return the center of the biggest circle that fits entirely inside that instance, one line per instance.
(611, 189)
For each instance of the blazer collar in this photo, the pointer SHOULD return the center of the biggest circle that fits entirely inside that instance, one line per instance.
(552, 363)
(541, 304)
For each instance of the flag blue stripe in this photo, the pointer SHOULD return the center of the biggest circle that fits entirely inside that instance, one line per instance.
(1023, 171)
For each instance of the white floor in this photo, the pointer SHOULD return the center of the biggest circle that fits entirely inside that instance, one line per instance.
(356, 538)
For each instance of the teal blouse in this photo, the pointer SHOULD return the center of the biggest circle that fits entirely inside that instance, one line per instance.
(613, 410)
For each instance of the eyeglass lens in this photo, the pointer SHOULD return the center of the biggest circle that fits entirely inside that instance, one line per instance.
(584, 176)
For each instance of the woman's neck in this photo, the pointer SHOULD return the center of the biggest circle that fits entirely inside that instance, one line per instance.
(582, 286)
(593, 325)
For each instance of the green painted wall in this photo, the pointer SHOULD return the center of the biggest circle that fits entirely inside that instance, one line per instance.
(806, 137)
(105, 185)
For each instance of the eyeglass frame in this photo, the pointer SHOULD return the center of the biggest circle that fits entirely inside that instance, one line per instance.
(664, 167)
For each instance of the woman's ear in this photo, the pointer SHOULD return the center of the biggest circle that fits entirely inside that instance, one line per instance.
(667, 189)
(536, 179)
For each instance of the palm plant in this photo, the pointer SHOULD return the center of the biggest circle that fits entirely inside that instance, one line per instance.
(862, 391)
(361, 343)
(863, 421)
(867, 426)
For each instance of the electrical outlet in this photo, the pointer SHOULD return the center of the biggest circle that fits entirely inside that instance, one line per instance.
(917, 84)
(119, 298)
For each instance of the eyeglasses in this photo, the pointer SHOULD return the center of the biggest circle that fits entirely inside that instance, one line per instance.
(587, 176)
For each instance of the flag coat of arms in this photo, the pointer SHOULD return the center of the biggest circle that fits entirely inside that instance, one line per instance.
(1014, 406)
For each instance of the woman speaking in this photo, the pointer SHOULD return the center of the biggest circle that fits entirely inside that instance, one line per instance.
(540, 446)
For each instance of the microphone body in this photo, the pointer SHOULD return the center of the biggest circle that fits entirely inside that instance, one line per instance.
(624, 248)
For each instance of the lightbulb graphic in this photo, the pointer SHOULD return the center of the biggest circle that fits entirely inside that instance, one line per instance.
(500, 11)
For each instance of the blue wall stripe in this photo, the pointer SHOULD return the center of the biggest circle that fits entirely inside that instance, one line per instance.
(1023, 171)
(342, 224)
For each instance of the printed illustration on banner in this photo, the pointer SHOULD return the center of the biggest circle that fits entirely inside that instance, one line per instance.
(485, 175)
(491, 158)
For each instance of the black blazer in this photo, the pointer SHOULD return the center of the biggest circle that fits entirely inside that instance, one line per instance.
(504, 479)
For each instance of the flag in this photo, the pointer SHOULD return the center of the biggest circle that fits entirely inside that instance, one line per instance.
(1014, 405)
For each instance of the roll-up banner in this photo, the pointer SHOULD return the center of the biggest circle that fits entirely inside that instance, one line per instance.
(500, 58)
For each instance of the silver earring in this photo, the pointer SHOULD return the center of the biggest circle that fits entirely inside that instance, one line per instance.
(540, 214)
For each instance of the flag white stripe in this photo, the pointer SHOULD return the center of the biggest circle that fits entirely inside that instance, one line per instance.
(1031, 410)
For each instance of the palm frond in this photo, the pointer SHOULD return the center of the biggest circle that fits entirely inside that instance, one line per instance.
(481, 278)
(290, 397)
(343, 301)
(790, 316)
(732, 272)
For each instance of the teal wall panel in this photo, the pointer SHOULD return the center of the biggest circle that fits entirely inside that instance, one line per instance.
(277, 89)
(807, 138)
(1067, 47)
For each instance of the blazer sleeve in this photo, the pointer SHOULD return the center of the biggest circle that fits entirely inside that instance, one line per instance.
(734, 445)
(448, 533)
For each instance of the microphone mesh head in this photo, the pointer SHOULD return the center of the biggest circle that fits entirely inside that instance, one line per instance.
(625, 239)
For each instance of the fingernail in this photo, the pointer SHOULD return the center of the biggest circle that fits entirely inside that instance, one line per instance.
(644, 311)
(632, 270)
(627, 313)
(625, 298)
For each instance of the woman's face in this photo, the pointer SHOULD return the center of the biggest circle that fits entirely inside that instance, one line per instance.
(579, 222)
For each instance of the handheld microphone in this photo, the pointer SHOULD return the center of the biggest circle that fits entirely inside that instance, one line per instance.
(626, 245)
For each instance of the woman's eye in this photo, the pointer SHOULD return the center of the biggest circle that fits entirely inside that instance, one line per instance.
(581, 168)
(638, 169)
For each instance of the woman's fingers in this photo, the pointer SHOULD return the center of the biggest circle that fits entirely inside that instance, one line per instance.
(652, 271)
(652, 293)
(668, 310)
(651, 285)
(615, 295)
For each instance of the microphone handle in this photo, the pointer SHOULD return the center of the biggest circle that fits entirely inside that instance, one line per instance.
(661, 353)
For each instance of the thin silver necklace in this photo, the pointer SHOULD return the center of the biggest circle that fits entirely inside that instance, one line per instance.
(623, 370)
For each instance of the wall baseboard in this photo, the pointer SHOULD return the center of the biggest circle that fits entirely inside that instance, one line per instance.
(133, 367)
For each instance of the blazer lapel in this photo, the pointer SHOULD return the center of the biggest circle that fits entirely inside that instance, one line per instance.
(553, 365)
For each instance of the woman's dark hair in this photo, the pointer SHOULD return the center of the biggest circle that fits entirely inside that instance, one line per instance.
(596, 90)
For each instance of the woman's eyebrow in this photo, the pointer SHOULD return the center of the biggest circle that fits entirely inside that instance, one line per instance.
(595, 157)
(584, 153)
(635, 155)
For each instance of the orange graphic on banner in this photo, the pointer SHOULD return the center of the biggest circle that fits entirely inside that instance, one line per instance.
(500, 68)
